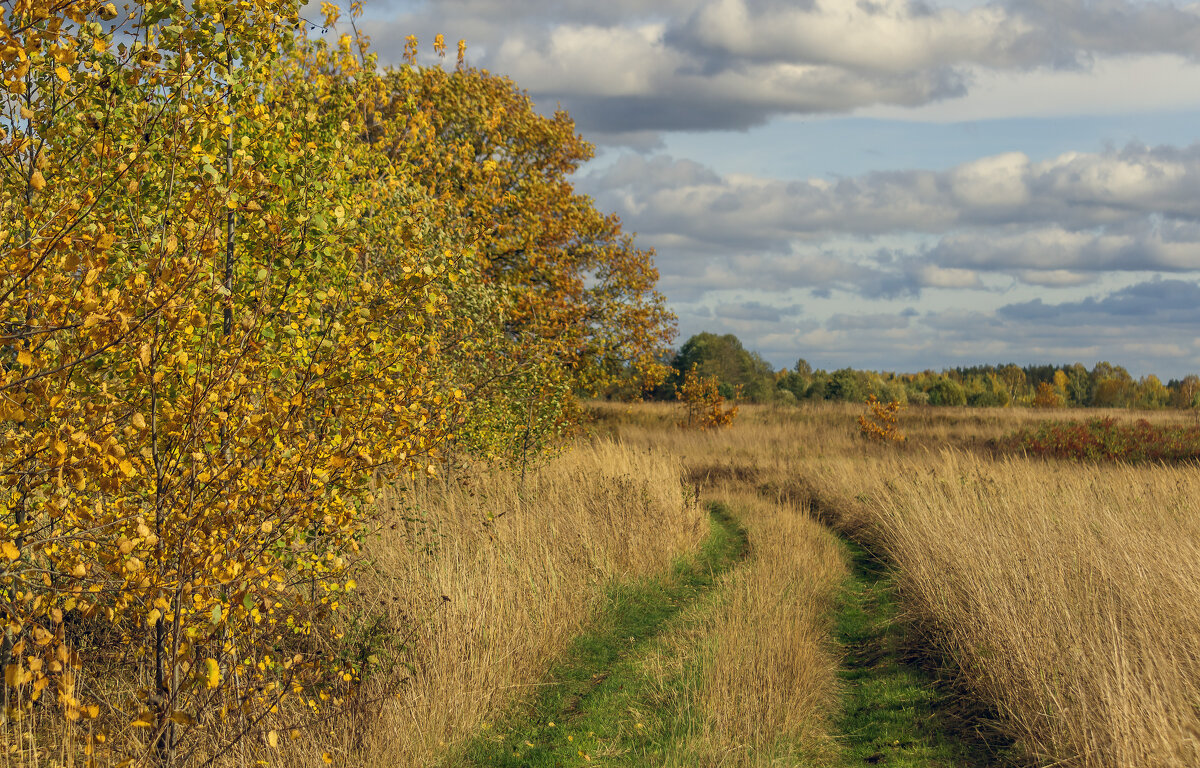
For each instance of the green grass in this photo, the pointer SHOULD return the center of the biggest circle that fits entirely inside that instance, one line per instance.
(598, 705)
(896, 710)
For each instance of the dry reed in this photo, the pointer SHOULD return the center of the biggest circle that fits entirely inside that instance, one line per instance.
(1066, 595)
(491, 577)
(764, 677)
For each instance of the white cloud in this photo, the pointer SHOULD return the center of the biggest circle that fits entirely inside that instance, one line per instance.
(1129, 209)
(1055, 278)
(623, 68)
(999, 182)
(933, 276)
(1110, 85)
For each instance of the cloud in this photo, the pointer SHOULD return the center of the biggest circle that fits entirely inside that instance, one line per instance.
(1053, 251)
(1057, 223)
(1054, 278)
(868, 322)
(1168, 303)
(1148, 326)
(624, 68)
(755, 311)
(1073, 192)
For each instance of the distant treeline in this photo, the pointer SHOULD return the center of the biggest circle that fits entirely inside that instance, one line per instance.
(748, 376)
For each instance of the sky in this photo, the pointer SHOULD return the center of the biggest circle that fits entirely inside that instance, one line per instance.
(886, 184)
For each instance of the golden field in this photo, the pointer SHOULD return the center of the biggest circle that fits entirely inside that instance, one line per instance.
(1061, 598)
(1064, 596)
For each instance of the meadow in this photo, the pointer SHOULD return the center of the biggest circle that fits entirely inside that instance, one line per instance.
(944, 601)
(1062, 598)
(781, 591)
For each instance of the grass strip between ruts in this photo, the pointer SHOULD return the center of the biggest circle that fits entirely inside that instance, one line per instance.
(596, 702)
(896, 712)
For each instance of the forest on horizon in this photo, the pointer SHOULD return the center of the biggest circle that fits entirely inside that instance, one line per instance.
(744, 374)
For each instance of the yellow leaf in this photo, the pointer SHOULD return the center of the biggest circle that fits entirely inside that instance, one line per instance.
(212, 673)
(14, 675)
(9, 550)
(144, 720)
(139, 421)
(127, 468)
(144, 354)
(183, 718)
(328, 758)
(273, 738)
(25, 358)
(63, 74)
(37, 181)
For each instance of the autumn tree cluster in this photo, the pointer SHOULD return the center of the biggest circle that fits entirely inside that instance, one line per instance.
(243, 272)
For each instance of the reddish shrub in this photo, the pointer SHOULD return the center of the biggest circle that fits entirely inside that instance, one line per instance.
(1106, 440)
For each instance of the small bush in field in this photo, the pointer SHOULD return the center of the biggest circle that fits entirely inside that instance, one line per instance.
(879, 422)
(1105, 439)
(705, 405)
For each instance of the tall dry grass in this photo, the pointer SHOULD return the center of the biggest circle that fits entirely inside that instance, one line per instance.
(759, 668)
(487, 578)
(1066, 595)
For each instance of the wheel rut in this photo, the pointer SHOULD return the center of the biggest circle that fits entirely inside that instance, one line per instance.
(898, 708)
(599, 703)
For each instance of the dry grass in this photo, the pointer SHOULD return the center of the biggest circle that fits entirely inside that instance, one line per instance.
(763, 675)
(1067, 595)
(925, 426)
(491, 578)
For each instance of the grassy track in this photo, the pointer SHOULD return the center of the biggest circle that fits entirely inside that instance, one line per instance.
(604, 704)
(598, 703)
(896, 712)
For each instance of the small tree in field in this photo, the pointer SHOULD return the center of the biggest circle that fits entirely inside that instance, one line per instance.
(879, 422)
(705, 405)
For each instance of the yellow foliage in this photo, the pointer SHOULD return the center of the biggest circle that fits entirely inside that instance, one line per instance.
(705, 405)
(1048, 396)
(244, 275)
(879, 422)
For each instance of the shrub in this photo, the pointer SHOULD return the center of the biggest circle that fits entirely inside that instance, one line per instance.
(1105, 439)
(705, 404)
(947, 392)
(879, 422)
